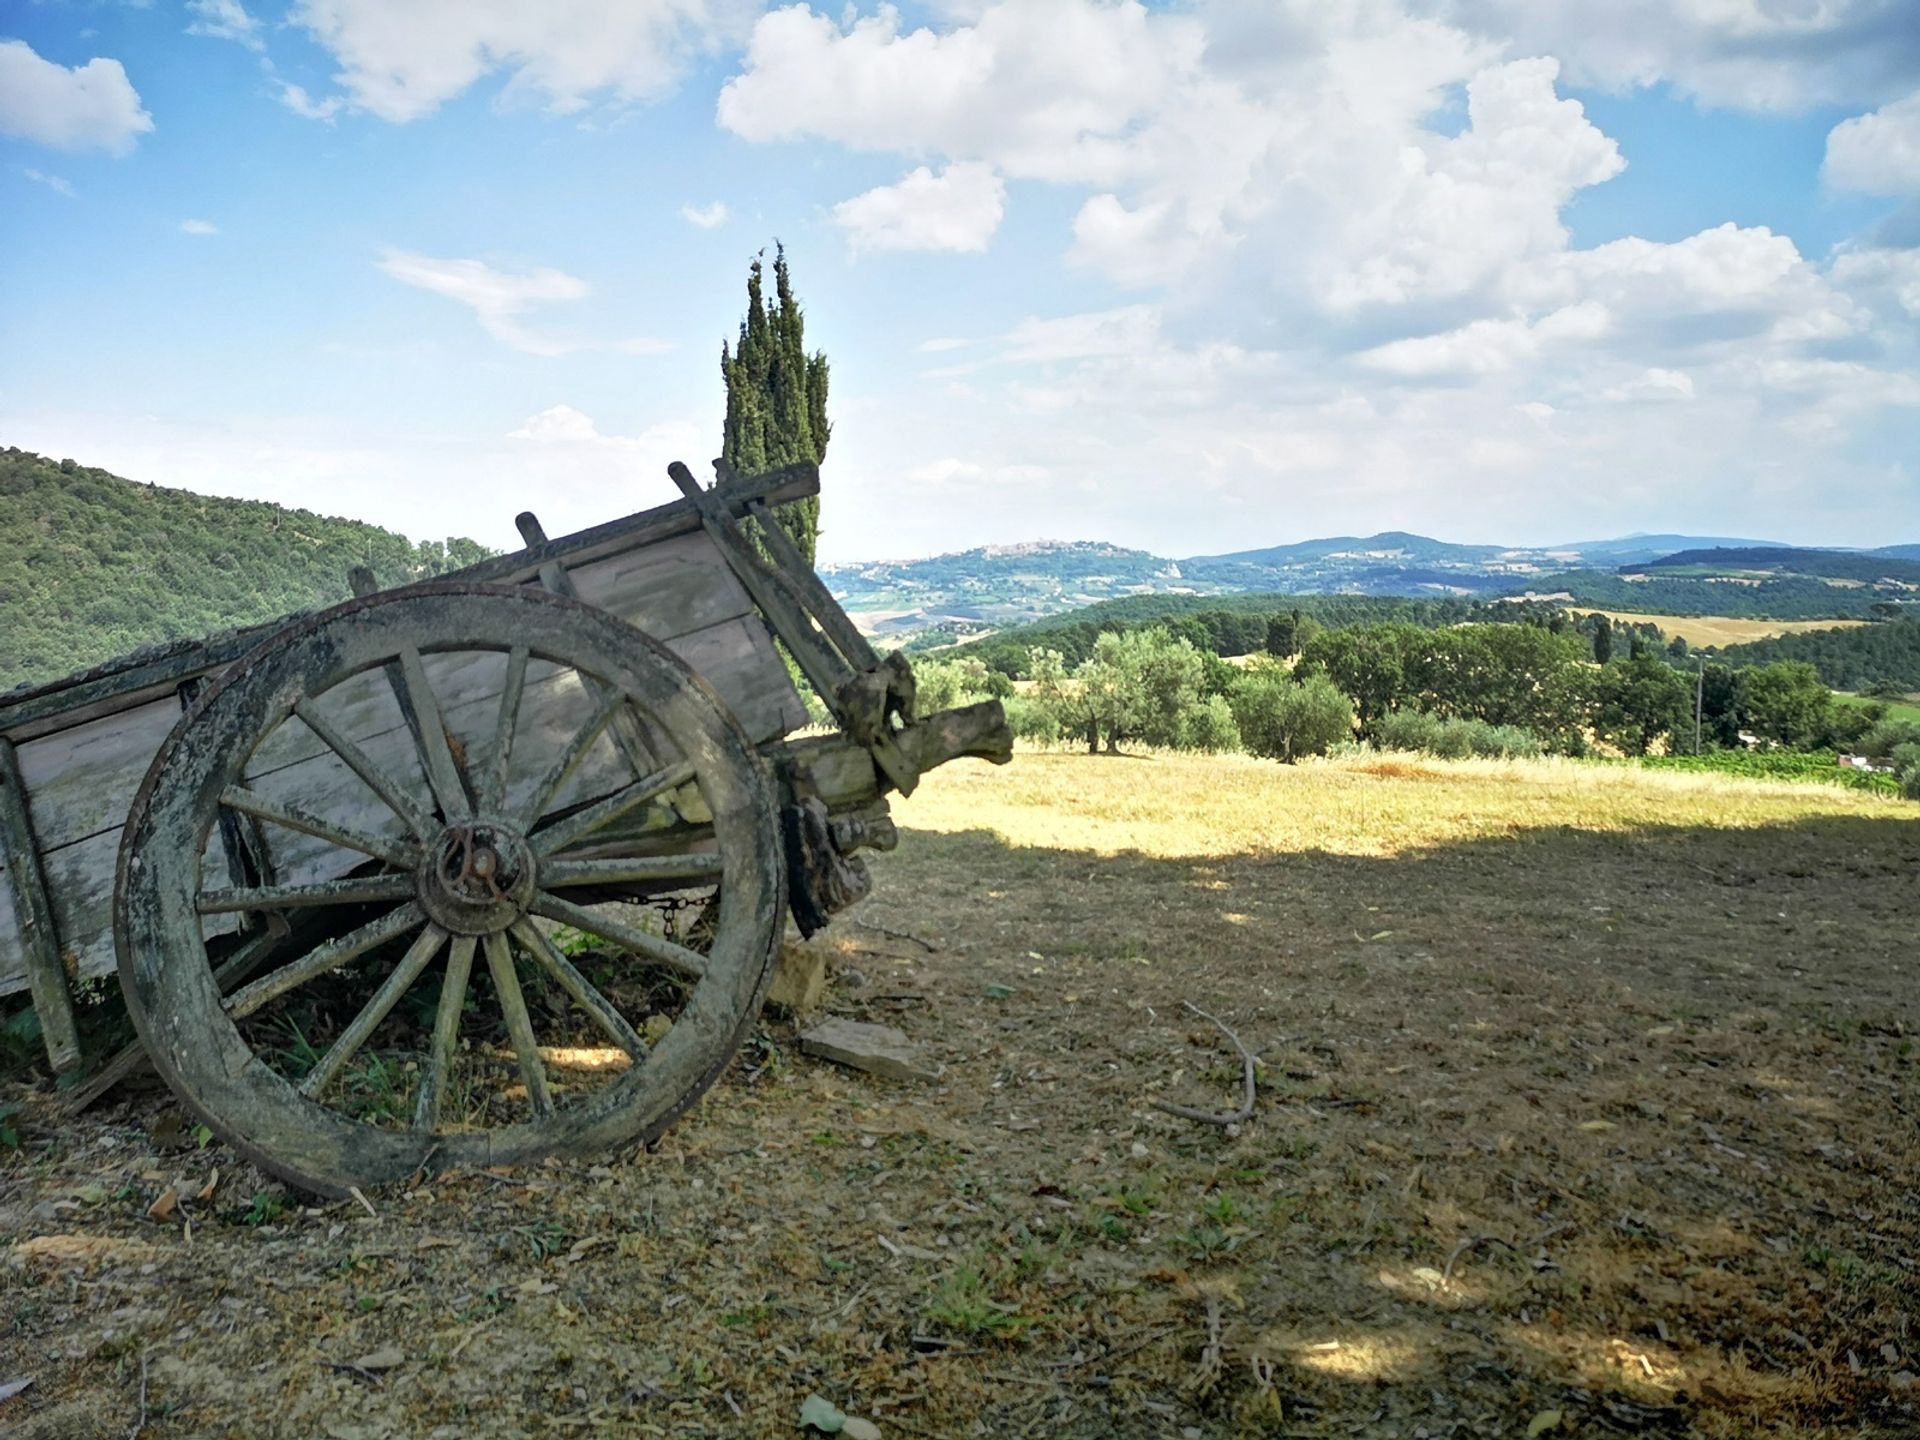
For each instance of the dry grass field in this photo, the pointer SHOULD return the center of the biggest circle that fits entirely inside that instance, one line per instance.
(1719, 629)
(1588, 1104)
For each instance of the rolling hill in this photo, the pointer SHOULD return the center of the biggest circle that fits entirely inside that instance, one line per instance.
(93, 566)
(978, 591)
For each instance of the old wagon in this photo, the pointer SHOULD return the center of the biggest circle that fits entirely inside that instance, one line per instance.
(480, 870)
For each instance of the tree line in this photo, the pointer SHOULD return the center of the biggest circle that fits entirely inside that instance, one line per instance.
(1552, 687)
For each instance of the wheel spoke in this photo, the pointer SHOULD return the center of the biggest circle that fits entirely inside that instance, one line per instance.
(542, 948)
(570, 758)
(513, 1006)
(675, 957)
(361, 1029)
(430, 732)
(562, 833)
(358, 761)
(493, 785)
(394, 852)
(352, 889)
(446, 1032)
(700, 865)
(334, 953)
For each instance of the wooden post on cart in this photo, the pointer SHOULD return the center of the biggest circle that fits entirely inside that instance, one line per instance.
(46, 976)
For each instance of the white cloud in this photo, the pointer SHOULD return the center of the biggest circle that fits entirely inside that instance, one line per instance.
(225, 20)
(1750, 53)
(88, 107)
(957, 210)
(500, 299)
(198, 227)
(401, 62)
(1653, 385)
(1878, 152)
(952, 472)
(1041, 90)
(705, 217)
(296, 99)
(54, 183)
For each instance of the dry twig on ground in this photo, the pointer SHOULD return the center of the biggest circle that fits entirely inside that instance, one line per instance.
(1247, 1062)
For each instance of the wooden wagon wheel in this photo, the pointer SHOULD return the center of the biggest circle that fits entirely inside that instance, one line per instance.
(449, 836)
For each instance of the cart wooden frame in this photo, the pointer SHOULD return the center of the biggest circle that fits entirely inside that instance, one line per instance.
(407, 793)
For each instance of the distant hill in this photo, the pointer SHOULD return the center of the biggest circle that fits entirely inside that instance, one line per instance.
(999, 585)
(93, 566)
(1636, 549)
(1866, 567)
(978, 591)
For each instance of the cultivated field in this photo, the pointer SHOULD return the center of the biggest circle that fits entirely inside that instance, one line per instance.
(1588, 1106)
(1718, 629)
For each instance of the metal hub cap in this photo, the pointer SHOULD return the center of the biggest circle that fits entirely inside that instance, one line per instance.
(478, 878)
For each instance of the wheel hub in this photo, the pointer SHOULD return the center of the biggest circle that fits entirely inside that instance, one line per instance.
(478, 878)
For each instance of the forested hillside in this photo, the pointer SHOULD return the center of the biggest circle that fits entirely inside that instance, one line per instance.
(1783, 597)
(92, 566)
(1860, 657)
(1867, 567)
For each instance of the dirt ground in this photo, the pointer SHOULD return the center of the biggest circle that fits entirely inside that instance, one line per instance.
(1587, 1106)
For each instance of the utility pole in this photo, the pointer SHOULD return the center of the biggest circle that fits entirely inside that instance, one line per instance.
(1699, 694)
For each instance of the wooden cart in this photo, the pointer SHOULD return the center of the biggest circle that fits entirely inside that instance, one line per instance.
(475, 871)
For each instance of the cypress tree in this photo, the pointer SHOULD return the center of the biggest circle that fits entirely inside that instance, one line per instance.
(776, 394)
(1603, 639)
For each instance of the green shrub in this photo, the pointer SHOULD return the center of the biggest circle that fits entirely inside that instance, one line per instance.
(1910, 783)
(1209, 726)
(1031, 720)
(1284, 720)
(1405, 730)
(1452, 739)
(1508, 741)
(1883, 739)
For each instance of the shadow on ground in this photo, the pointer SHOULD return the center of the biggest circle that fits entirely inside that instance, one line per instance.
(1613, 1128)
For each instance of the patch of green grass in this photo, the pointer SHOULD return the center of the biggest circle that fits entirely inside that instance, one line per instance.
(265, 1209)
(544, 1238)
(964, 1303)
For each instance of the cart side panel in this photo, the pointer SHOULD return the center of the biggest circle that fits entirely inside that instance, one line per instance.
(83, 780)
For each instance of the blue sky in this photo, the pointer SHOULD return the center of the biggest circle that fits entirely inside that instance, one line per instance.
(1190, 277)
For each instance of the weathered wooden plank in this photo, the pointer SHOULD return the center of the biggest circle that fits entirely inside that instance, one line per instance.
(33, 923)
(79, 886)
(83, 779)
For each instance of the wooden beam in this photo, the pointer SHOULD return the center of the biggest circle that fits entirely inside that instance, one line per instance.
(787, 609)
(33, 916)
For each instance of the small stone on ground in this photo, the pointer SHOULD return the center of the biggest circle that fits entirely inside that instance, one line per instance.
(877, 1049)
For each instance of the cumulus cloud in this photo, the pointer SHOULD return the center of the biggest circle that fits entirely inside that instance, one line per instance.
(296, 99)
(225, 20)
(501, 299)
(1878, 152)
(1749, 53)
(957, 210)
(87, 107)
(1046, 91)
(403, 62)
(198, 227)
(705, 217)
